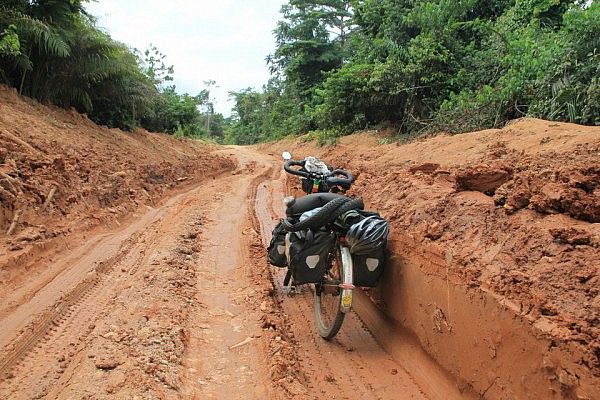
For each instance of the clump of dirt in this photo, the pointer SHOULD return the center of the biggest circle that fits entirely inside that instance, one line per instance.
(61, 173)
(483, 178)
(555, 184)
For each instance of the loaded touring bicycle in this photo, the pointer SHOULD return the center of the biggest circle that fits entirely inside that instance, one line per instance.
(328, 240)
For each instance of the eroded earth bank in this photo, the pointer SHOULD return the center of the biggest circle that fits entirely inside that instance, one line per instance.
(132, 265)
(495, 256)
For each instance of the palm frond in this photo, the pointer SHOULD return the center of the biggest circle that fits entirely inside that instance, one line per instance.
(41, 35)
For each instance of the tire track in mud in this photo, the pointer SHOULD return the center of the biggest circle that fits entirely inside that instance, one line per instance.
(213, 362)
(65, 327)
(76, 270)
(352, 365)
(56, 314)
(44, 353)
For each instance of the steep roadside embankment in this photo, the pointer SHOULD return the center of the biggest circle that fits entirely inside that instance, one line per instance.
(494, 252)
(62, 176)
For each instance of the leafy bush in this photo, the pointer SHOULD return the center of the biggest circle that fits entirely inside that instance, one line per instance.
(52, 51)
(438, 65)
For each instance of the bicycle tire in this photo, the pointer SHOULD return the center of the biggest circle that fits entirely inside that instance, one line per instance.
(328, 213)
(328, 311)
(354, 204)
(321, 218)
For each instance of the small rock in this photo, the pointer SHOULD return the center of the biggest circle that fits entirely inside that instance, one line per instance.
(186, 250)
(566, 379)
(111, 336)
(16, 246)
(434, 231)
(106, 364)
(426, 168)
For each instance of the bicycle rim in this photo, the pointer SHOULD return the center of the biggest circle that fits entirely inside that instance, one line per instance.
(328, 300)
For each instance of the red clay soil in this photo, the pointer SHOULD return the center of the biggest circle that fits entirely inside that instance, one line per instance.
(495, 263)
(144, 275)
(61, 173)
(134, 266)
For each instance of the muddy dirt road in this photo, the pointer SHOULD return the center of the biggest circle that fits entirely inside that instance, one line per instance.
(180, 303)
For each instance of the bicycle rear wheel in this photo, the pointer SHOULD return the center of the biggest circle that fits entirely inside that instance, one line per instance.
(329, 315)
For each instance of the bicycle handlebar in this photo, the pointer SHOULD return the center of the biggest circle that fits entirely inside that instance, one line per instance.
(332, 179)
(300, 163)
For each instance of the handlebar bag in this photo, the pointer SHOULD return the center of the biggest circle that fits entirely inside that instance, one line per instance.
(276, 249)
(310, 255)
(367, 269)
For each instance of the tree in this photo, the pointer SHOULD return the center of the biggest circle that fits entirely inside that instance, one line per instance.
(247, 119)
(154, 67)
(208, 102)
(52, 51)
(309, 42)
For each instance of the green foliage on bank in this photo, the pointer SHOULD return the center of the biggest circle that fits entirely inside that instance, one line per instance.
(424, 65)
(51, 50)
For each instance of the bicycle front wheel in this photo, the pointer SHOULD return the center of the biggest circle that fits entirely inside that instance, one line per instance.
(329, 314)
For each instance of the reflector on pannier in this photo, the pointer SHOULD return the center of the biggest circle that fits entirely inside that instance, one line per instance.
(310, 254)
(368, 268)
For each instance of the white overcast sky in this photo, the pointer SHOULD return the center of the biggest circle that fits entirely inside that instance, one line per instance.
(223, 40)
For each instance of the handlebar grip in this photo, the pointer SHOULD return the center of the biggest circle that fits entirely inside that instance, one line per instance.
(333, 179)
(290, 163)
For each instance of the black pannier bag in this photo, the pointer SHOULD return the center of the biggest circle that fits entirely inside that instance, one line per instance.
(310, 255)
(367, 238)
(367, 269)
(276, 248)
